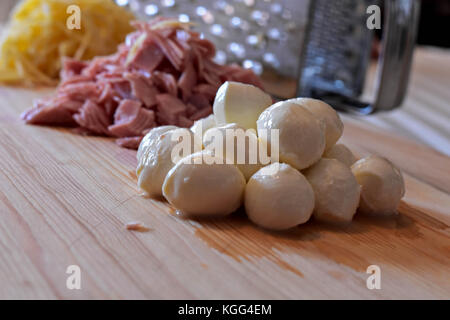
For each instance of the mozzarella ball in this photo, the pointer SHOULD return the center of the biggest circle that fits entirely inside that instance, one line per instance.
(198, 187)
(301, 135)
(342, 153)
(157, 158)
(382, 185)
(243, 148)
(201, 126)
(323, 111)
(336, 191)
(279, 201)
(240, 103)
(150, 137)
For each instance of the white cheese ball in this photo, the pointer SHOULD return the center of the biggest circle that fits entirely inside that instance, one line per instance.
(382, 185)
(342, 153)
(301, 135)
(336, 191)
(150, 137)
(241, 140)
(240, 103)
(334, 127)
(156, 159)
(198, 187)
(280, 201)
(201, 126)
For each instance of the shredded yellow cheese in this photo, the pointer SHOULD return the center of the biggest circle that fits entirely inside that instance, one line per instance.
(37, 37)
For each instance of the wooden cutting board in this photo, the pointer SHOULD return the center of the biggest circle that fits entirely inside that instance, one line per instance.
(65, 200)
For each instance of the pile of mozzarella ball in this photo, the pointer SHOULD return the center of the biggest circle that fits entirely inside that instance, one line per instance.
(315, 176)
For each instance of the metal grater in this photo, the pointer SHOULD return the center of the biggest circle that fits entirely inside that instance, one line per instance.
(338, 47)
(322, 47)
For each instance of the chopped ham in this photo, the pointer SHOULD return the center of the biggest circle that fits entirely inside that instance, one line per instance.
(200, 114)
(142, 88)
(171, 50)
(123, 89)
(165, 82)
(49, 112)
(162, 75)
(187, 81)
(131, 119)
(92, 117)
(137, 226)
(199, 100)
(71, 68)
(169, 109)
(148, 56)
(206, 90)
(80, 91)
(185, 121)
(190, 109)
(129, 142)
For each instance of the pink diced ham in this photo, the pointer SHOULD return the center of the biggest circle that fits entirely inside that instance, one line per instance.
(129, 142)
(169, 109)
(157, 77)
(187, 81)
(131, 119)
(148, 56)
(49, 112)
(142, 88)
(92, 117)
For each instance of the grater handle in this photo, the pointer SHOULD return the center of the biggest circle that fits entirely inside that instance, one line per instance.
(394, 64)
(399, 37)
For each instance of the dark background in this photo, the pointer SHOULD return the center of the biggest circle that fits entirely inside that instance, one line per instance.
(434, 26)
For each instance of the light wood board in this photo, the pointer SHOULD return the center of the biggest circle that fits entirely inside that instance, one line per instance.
(65, 200)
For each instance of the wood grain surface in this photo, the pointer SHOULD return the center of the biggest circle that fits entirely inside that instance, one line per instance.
(66, 199)
(425, 114)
